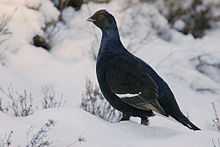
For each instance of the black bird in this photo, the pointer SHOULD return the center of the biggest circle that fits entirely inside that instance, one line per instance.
(128, 83)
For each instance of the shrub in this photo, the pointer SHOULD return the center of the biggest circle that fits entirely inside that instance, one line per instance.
(51, 99)
(19, 104)
(61, 4)
(216, 121)
(94, 103)
(40, 138)
(37, 139)
(190, 17)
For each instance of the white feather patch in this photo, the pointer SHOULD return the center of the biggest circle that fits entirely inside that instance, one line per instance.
(128, 95)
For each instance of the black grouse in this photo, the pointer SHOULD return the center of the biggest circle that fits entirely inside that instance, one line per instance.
(128, 83)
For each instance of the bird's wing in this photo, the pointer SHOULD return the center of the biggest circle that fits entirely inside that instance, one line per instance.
(128, 78)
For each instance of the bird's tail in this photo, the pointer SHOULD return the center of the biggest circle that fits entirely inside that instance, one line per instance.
(155, 106)
(185, 121)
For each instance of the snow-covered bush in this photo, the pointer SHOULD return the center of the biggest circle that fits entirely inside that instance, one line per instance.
(190, 16)
(94, 103)
(61, 4)
(142, 20)
(51, 99)
(19, 104)
(40, 137)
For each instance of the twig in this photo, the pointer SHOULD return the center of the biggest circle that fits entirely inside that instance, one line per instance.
(216, 120)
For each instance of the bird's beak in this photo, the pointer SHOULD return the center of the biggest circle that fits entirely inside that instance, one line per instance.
(91, 19)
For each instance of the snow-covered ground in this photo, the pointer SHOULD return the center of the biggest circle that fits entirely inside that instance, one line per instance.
(190, 66)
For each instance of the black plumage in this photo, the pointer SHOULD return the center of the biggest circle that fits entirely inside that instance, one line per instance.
(128, 83)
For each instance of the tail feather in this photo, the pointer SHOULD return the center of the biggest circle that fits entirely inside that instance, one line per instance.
(168, 102)
(155, 105)
(186, 122)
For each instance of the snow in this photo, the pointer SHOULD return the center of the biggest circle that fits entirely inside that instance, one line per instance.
(179, 25)
(146, 33)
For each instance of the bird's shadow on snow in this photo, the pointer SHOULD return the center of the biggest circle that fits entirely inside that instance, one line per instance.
(140, 131)
(156, 129)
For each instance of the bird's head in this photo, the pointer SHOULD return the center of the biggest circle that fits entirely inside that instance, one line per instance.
(103, 20)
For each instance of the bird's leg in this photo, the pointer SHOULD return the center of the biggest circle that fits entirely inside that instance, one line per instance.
(125, 117)
(145, 121)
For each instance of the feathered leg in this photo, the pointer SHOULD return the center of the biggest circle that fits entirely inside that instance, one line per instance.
(145, 121)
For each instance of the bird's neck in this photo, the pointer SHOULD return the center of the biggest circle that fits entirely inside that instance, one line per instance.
(111, 42)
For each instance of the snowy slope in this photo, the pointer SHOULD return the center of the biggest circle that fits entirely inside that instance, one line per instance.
(146, 33)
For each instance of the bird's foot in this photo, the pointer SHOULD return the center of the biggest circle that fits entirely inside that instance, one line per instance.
(145, 121)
